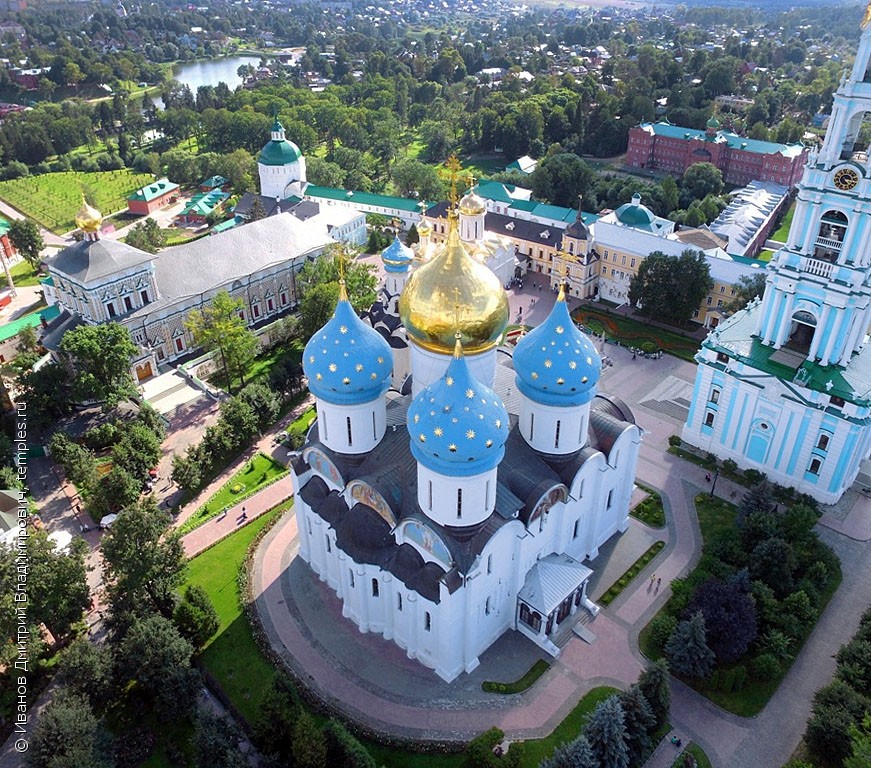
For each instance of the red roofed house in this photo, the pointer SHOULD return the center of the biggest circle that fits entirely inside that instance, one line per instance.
(152, 197)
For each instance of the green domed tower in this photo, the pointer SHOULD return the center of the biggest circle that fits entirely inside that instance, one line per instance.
(281, 166)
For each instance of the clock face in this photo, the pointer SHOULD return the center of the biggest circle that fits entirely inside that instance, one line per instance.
(846, 178)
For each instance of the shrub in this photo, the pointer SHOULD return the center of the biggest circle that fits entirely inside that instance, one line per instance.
(648, 346)
(766, 666)
(740, 677)
(674, 441)
(661, 629)
(730, 467)
(753, 476)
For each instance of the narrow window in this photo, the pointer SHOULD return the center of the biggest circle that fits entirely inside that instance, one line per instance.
(709, 419)
(348, 421)
(179, 345)
(815, 467)
(309, 526)
(144, 296)
(351, 578)
(823, 443)
(256, 310)
(459, 503)
(128, 303)
(329, 546)
(531, 425)
(556, 436)
(398, 601)
(487, 494)
(487, 607)
(110, 308)
(489, 563)
(715, 396)
(270, 305)
(430, 495)
(427, 621)
(374, 428)
(375, 588)
(575, 529)
(610, 498)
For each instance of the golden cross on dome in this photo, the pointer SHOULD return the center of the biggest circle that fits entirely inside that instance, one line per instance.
(454, 167)
(471, 182)
(562, 269)
(422, 206)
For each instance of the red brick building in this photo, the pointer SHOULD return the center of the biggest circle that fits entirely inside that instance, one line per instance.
(152, 197)
(665, 147)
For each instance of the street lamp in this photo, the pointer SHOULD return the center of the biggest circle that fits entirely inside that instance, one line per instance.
(714, 483)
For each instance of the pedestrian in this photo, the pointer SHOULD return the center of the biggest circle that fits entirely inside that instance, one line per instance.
(652, 578)
(707, 477)
(633, 355)
(658, 582)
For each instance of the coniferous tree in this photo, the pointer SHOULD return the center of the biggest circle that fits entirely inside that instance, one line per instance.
(606, 732)
(687, 649)
(572, 754)
(639, 720)
(653, 683)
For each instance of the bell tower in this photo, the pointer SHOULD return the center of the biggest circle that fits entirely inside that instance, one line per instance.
(817, 304)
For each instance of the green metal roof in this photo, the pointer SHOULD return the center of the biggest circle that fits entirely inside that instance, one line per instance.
(213, 182)
(556, 212)
(224, 225)
(494, 190)
(635, 215)
(151, 191)
(204, 203)
(34, 319)
(733, 140)
(363, 198)
(279, 153)
(4, 226)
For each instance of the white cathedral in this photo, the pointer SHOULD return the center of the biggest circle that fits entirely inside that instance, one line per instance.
(444, 515)
(784, 387)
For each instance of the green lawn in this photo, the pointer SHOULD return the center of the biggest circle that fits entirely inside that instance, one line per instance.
(650, 510)
(634, 333)
(257, 473)
(231, 655)
(23, 274)
(765, 255)
(518, 686)
(783, 230)
(53, 198)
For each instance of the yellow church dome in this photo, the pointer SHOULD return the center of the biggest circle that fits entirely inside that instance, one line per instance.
(88, 219)
(453, 292)
(472, 205)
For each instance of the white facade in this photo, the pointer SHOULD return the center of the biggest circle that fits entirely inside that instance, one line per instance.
(784, 387)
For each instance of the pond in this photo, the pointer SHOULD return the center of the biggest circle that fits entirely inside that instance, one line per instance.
(210, 72)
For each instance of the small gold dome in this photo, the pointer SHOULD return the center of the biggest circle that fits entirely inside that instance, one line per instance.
(452, 292)
(88, 219)
(423, 228)
(472, 205)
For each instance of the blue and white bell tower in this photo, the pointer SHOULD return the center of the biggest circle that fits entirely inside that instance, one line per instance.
(784, 386)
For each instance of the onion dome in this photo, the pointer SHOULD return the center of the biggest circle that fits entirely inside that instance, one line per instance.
(555, 363)
(458, 426)
(713, 123)
(635, 214)
(347, 362)
(453, 280)
(472, 205)
(88, 218)
(279, 151)
(423, 227)
(396, 256)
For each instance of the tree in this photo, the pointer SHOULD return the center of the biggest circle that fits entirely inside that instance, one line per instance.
(221, 327)
(263, 401)
(671, 288)
(687, 649)
(257, 211)
(28, 342)
(343, 749)
(68, 735)
(854, 665)
(414, 178)
(137, 451)
(216, 741)
(560, 178)
(479, 752)
(606, 732)
(860, 743)
(309, 746)
(187, 471)
(699, 181)
(746, 289)
(86, 669)
(80, 465)
(640, 722)
(774, 563)
(730, 617)
(60, 579)
(25, 237)
(147, 236)
(48, 392)
(279, 711)
(101, 355)
(195, 616)
(653, 683)
(158, 658)
(144, 562)
(318, 284)
(573, 754)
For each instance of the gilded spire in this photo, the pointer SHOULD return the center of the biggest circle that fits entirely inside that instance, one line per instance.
(343, 292)
(454, 167)
(866, 19)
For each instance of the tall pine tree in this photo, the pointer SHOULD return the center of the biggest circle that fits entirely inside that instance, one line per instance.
(687, 648)
(606, 732)
(653, 683)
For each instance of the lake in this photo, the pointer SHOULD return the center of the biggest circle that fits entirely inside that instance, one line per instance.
(211, 72)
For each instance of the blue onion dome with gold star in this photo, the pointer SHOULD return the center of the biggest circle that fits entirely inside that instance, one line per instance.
(347, 362)
(452, 277)
(556, 364)
(396, 256)
(457, 425)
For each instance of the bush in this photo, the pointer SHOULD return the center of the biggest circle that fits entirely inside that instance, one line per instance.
(15, 170)
(727, 680)
(740, 677)
(674, 441)
(766, 666)
(730, 467)
(648, 346)
(343, 750)
(661, 629)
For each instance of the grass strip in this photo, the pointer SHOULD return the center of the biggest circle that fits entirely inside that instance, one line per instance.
(651, 510)
(521, 684)
(258, 472)
(618, 586)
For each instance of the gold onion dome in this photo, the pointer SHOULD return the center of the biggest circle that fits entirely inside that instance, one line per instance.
(88, 218)
(472, 205)
(453, 292)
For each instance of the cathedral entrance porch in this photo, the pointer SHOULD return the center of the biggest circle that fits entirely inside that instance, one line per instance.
(547, 605)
